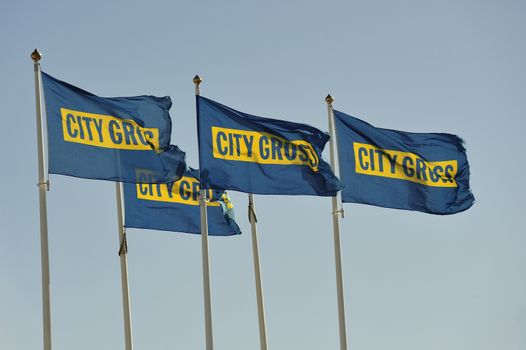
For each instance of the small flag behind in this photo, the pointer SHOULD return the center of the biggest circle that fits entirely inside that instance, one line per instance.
(246, 153)
(175, 207)
(109, 138)
(426, 172)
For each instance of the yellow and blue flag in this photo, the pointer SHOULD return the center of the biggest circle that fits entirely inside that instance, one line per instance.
(175, 206)
(109, 138)
(427, 172)
(243, 152)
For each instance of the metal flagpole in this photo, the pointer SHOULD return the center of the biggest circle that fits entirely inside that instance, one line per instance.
(123, 251)
(336, 225)
(204, 253)
(257, 273)
(43, 186)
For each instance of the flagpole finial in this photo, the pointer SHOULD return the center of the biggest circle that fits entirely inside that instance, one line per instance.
(329, 99)
(197, 80)
(36, 56)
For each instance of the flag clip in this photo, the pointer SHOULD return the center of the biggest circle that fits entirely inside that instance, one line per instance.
(204, 198)
(45, 183)
(339, 212)
(123, 249)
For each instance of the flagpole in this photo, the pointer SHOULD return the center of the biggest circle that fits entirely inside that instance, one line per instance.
(43, 186)
(204, 248)
(123, 251)
(336, 225)
(257, 273)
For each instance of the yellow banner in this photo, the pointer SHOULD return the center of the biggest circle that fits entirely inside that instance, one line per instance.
(184, 191)
(261, 148)
(101, 130)
(371, 160)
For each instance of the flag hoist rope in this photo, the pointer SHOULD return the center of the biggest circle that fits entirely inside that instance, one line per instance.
(257, 273)
(336, 225)
(123, 251)
(204, 253)
(43, 186)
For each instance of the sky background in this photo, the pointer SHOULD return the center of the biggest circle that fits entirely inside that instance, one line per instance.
(412, 281)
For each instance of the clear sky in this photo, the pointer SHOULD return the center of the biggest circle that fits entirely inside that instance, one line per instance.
(412, 281)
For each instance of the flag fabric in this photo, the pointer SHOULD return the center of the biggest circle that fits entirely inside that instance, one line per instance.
(109, 138)
(175, 207)
(426, 172)
(246, 153)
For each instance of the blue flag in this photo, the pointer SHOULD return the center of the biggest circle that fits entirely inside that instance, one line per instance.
(109, 138)
(175, 207)
(426, 172)
(242, 152)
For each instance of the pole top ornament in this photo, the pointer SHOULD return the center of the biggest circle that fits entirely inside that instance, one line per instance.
(36, 56)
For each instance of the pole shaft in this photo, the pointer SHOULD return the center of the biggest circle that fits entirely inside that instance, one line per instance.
(124, 271)
(257, 274)
(44, 246)
(206, 271)
(205, 256)
(337, 249)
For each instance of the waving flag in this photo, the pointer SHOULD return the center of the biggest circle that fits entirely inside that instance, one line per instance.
(246, 153)
(426, 172)
(109, 138)
(175, 206)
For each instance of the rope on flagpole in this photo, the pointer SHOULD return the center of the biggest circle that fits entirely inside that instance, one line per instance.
(251, 212)
(123, 249)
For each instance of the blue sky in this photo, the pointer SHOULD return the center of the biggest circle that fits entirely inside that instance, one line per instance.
(412, 280)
